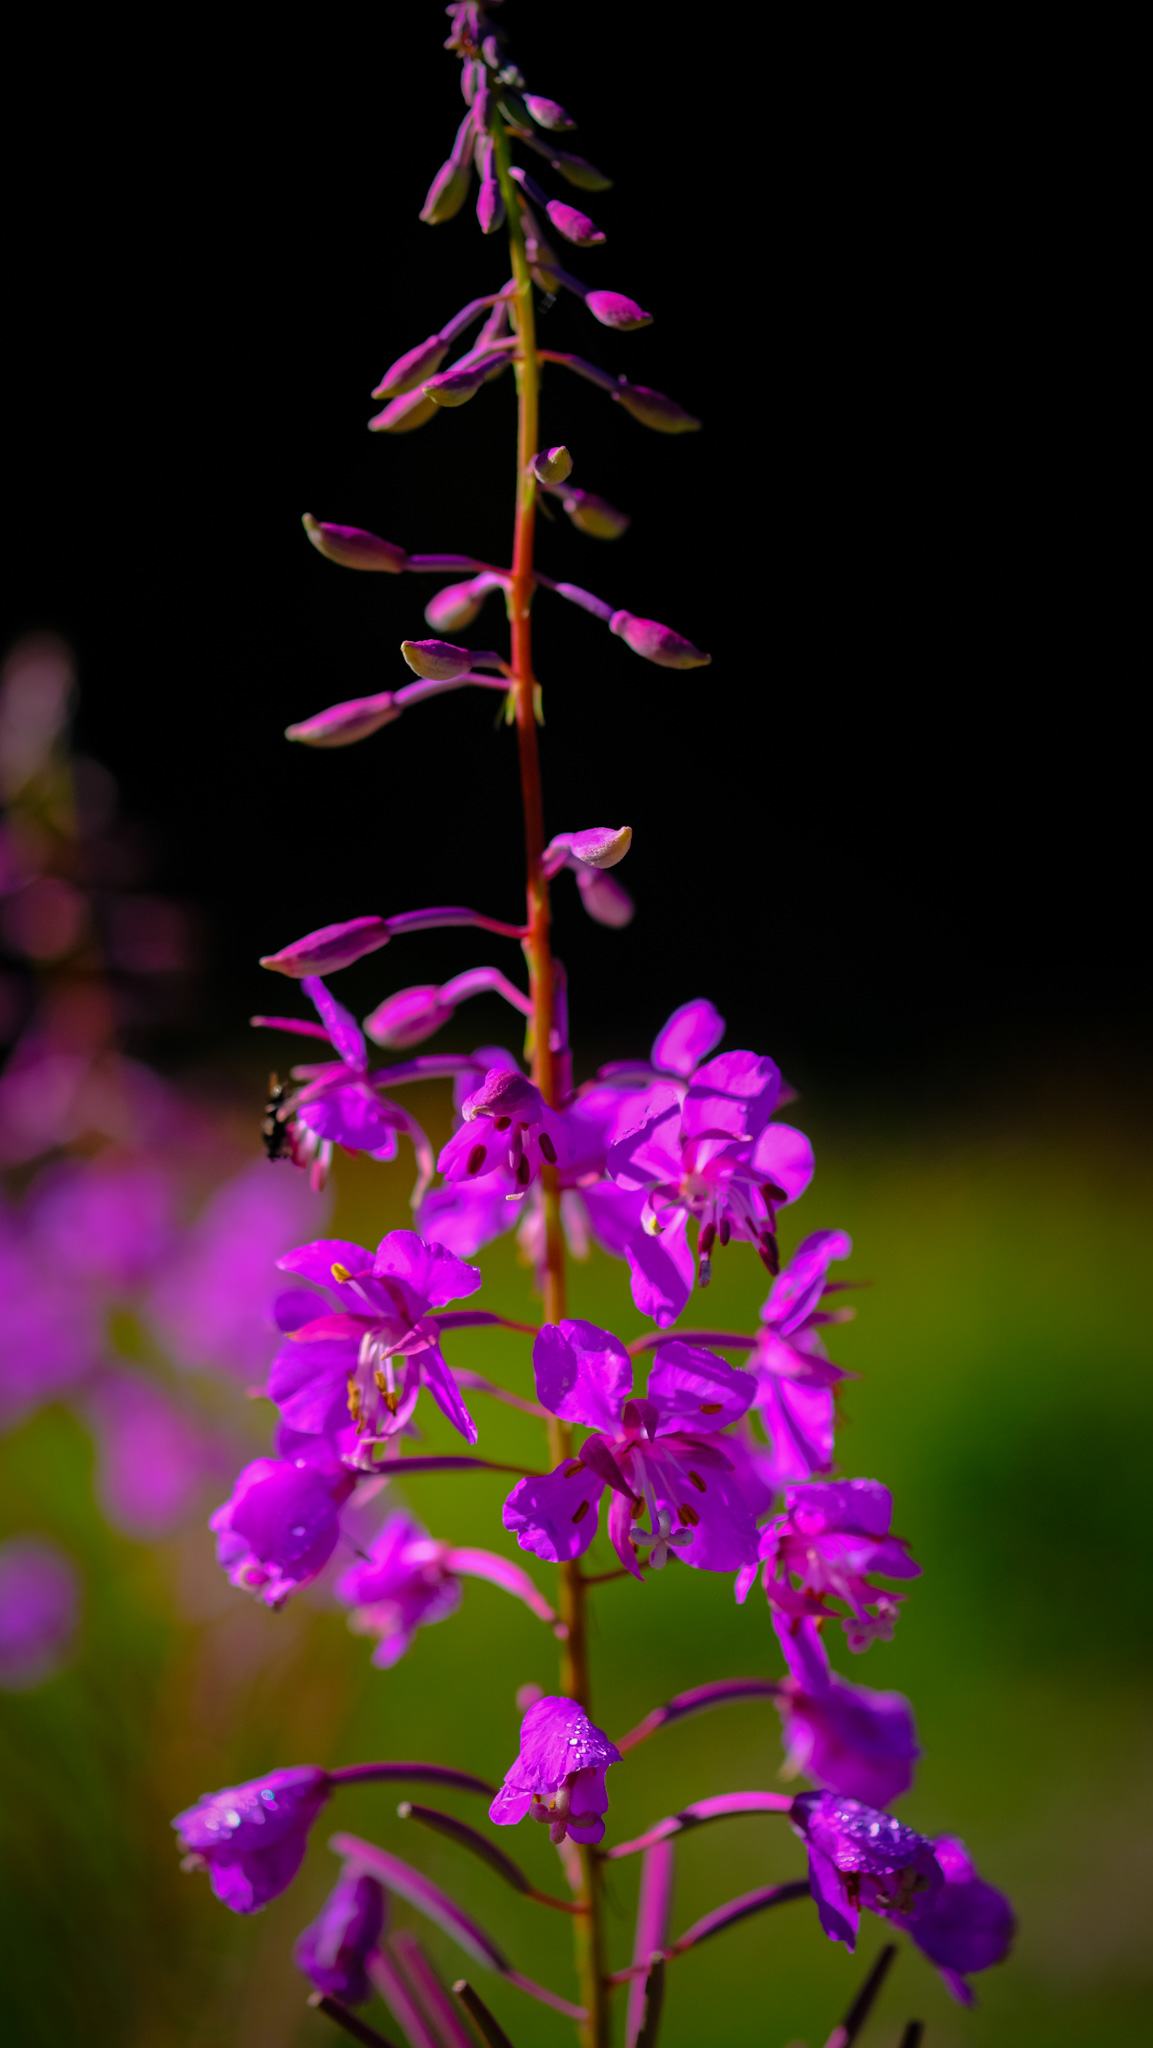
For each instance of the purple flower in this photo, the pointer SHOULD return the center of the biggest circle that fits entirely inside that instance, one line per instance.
(337, 1103)
(38, 1604)
(854, 1740)
(967, 1924)
(658, 1455)
(859, 1856)
(334, 1950)
(829, 1538)
(281, 1525)
(411, 1579)
(371, 1359)
(251, 1838)
(401, 1587)
(514, 1129)
(706, 1151)
(559, 1774)
(795, 1379)
(467, 1214)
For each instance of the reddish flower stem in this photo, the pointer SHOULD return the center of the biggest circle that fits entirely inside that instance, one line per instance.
(587, 1926)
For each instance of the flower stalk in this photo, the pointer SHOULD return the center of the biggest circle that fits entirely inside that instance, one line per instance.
(588, 1931)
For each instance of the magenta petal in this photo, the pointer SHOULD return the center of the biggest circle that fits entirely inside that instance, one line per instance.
(689, 1036)
(555, 1516)
(797, 1290)
(731, 1096)
(445, 1392)
(838, 1917)
(696, 1390)
(662, 1270)
(785, 1157)
(343, 1030)
(432, 1271)
(582, 1374)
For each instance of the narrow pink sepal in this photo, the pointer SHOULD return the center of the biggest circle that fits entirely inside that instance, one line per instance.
(652, 1931)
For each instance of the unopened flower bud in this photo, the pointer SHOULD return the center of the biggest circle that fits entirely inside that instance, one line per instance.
(412, 369)
(595, 515)
(574, 225)
(601, 846)
(547, 113)
(575, 171)
(447, 193)
(352, 547)
(654, 409)
(408, 1017)
(458, 604)
(490, 199)
(402, 414)
(613, 309)
(437, 661)
(647, 637)
(331, 947)
(552, 465)
(604, 899)
(343, 724)
(449, 188)
(456, 386)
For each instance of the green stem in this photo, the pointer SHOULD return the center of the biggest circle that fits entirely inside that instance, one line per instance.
(588, 1930)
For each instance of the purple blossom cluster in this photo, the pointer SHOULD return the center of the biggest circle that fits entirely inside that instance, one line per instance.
(713, 1449)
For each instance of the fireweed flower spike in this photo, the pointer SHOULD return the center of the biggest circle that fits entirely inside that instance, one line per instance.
(558, 1776)
(658, 1161)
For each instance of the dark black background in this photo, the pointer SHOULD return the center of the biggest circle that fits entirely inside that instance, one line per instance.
(891, 829)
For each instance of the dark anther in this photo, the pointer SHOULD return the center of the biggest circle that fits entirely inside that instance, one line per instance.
(547, 1147)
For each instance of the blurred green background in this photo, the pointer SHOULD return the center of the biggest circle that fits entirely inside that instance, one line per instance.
(1004, 1394)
